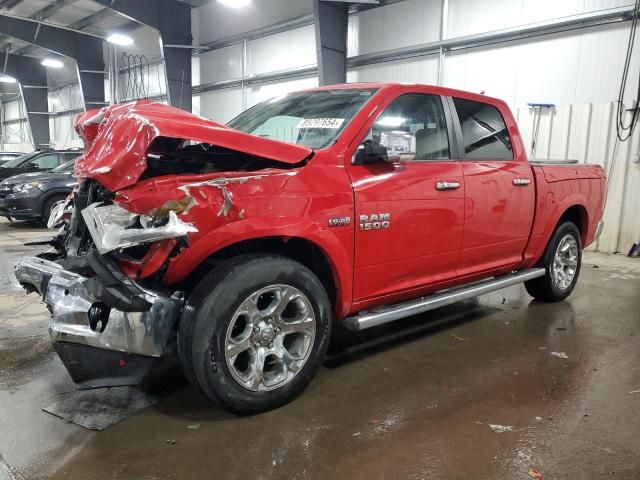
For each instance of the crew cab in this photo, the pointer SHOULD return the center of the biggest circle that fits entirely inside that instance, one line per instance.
(242, 246)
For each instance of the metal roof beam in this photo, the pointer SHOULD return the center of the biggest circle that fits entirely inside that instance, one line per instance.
(84, 48)
(32, 81)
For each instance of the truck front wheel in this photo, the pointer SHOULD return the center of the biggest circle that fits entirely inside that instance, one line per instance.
(562, 260)
(254, 332)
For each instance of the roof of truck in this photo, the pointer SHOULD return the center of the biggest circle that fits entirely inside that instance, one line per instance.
(390, 85)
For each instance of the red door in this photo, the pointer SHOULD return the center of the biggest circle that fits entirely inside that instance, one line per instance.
(499, 191)
(409, 213)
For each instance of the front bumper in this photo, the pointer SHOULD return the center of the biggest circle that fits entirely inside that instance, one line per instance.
(106, 329)
(23, 206)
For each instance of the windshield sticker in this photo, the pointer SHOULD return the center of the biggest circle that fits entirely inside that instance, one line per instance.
(334, 123)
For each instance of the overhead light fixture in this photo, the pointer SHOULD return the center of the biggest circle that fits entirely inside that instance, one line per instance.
(52, 63)
(235, 3)
(120, 39)
(7, 79)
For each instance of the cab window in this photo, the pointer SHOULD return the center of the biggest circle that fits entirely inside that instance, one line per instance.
(484, 132)
(413, 127)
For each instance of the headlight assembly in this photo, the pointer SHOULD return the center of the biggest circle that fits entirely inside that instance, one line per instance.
(112, 227)
(25, 187)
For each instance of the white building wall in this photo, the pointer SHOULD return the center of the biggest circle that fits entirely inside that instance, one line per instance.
(283, 51)
(295, 48)
(61, 128)
(16, 136)
(410, 22)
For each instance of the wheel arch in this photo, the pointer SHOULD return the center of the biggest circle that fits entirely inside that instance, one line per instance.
(303, 250)
(578, 215)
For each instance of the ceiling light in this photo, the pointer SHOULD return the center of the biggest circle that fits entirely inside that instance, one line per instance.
(235, 3)
(52, 63)
(120, 39)
(7, 79)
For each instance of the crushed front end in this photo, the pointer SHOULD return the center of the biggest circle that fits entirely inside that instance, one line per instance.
(153, 181)
(107, 328)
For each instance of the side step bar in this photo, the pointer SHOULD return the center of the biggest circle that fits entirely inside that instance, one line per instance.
(379, 316)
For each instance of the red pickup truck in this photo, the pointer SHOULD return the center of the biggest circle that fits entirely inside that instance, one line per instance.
(242, 246)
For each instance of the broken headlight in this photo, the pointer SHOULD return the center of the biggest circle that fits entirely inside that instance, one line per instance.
(113, 227)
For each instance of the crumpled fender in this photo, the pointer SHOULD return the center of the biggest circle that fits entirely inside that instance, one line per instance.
(117, 139)
(230, 207)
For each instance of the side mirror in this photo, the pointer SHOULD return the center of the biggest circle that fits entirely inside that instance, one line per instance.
(32, 167)
(370, 152)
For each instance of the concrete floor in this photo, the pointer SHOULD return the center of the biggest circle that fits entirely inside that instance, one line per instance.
(413, 401)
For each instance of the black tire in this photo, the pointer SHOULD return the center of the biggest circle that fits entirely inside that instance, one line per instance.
(48, 205)
(205, 324)
(546, 288)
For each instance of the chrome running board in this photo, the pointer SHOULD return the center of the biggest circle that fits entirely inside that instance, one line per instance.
(390, 313)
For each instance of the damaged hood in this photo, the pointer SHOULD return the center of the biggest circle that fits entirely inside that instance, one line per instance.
(117, 140)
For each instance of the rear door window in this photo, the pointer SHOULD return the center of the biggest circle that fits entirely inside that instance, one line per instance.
(484, 132)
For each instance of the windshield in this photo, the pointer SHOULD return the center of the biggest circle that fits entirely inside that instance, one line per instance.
(16, 162)
(65, 167)
(314, 119)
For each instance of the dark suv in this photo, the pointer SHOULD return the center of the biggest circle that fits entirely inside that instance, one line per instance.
(31, 196)
(38, 161)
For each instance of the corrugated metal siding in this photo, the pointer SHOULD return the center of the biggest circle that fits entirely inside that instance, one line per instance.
(467, 17)
(410, 22)
(295, 48)
(587, 133)
(15, 136)
(413, 70)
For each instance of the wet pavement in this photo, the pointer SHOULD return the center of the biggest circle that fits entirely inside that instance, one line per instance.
(480, 390)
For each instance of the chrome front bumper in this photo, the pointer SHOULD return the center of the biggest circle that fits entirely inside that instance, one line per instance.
(79, 317)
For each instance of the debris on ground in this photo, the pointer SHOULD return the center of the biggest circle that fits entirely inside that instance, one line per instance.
(500, 428)
(195, 426)
(542, 348)
(355, 434)
(634, 391)
(535, 473)
(538, 419)
(559, 354)
(596, 266)
(171, 441)
(453, 335)
(562, 329)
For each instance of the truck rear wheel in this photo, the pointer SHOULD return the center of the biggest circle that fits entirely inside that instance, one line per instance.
(254, 332)
(562, 260)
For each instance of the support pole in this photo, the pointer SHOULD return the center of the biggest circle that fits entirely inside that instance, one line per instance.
(331, 23)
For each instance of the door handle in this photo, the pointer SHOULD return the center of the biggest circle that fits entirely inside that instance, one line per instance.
(447, 185)
(521, 182)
